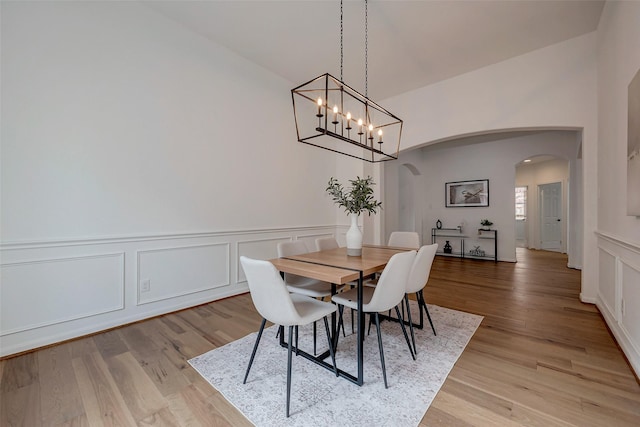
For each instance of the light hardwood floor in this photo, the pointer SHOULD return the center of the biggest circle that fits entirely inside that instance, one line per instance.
(539, 358)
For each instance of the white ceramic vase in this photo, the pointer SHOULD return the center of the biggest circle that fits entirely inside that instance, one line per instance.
(354, 238)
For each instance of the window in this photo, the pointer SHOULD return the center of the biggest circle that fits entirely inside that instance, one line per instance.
(521, 203)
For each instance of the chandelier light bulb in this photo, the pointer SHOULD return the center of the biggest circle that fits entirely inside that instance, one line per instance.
(348, 116)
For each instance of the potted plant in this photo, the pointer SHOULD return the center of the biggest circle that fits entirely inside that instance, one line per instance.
(356, 199)
(486, 224)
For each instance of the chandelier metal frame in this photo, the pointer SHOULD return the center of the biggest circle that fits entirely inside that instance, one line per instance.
(330, 113)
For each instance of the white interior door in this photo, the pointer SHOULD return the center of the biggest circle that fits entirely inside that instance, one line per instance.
(551, 216)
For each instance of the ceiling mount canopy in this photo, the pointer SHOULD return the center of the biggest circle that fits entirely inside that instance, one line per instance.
(331, 115)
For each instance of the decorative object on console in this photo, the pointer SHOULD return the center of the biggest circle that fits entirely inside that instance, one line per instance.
(476, 251)
(447, 248)
(327, 96)
(354, 200)
(467, 193)
(438, 224)
(486, 224)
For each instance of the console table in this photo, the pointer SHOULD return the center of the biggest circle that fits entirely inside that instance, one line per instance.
(480, 245)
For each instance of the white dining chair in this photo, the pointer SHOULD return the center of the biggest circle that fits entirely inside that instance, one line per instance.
(299, 284)
(418, 278)
(276, 305)
(388, 294)
(404, 239)
(398, 239)
(326, 243)
(304, 285)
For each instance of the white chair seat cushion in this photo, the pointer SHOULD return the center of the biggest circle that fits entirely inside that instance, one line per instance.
(313, 288)
(350, 298)
(311, 310)
(372, 283)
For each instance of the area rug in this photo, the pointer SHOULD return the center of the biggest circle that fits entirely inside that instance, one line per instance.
(318, 398)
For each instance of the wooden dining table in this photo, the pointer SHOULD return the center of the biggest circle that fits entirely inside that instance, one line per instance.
(336, 267)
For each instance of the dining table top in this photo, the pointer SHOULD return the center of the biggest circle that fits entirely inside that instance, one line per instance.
(335, 266)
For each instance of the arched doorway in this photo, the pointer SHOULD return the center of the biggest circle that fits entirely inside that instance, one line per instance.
(488, 156)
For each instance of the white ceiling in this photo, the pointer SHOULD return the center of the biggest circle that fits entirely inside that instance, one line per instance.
(411, 43)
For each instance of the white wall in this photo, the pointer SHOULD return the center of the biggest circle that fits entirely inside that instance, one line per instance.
(579, 84)
(493, 160)
(618, 296)
(119, 122)
(550, 88)
(135, 150)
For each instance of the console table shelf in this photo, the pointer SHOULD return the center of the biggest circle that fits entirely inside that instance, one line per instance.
(479, 241)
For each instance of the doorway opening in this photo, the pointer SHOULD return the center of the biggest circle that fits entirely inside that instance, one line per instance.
(521, 216)
(541, 203)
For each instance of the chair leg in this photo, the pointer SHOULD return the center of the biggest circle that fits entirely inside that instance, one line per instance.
(384, 371)
(315, 330)
(340, 322)
(331, 352)
(296, 329)
(344, 334)
(255, 348)
(352, 317)
(289, 369)
(404, 331)
(423, 304)
(413, 337)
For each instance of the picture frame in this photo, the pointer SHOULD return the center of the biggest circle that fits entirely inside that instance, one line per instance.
(465, 194)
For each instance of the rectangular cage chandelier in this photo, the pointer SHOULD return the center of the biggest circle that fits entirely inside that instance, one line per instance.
(331, 115)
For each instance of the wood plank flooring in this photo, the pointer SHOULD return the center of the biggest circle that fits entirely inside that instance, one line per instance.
(539, 358)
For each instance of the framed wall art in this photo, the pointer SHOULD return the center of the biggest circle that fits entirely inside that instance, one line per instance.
(466, 194)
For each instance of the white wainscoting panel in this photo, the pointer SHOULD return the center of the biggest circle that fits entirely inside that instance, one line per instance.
(178, 271)
(608, 284)
(258, 249)
(630, 317)
(619, 264)
(53, 291)
(310, 240)
(44, 292)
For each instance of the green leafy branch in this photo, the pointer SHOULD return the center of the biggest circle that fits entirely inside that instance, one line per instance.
(356, 199)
